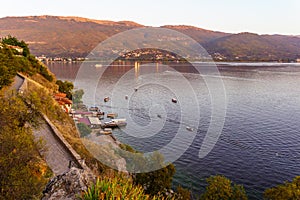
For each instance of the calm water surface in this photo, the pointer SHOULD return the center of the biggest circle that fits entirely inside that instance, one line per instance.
(259, 145)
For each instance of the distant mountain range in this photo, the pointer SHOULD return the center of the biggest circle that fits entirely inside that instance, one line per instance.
(56, 36)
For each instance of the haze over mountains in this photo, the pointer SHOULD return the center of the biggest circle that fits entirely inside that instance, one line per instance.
(55, 36)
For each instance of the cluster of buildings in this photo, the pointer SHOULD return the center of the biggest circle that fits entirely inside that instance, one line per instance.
(150, 54)
(43, 58)
(17, 48)
(89, 118)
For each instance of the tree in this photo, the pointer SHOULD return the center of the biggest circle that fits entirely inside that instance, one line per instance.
(83, 129)
(288, 190)
(158, 181)
(65, 87)
(5, 76)
(77, 96)
(219, 187)
(15, 42)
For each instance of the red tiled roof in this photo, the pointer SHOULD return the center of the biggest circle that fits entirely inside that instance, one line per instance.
(84, 121)
(63, 95)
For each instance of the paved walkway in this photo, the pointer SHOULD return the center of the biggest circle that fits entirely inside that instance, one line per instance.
(55, 153)
(57, 156)
(18, 81)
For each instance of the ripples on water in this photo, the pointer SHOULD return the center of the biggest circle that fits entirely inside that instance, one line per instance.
(259, 146)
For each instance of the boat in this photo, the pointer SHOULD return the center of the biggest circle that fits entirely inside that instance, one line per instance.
(114, 123)
(106, 99)
(189, 128)
(94, 109)
(106, 131)
(98, 65)
(109, 124)
(120, 122)
(112, 115)
(174, 100)
(100, 115)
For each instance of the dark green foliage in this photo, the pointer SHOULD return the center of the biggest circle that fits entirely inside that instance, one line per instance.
(83, 129)
(155, 183)
(65, 87)
(219, 187)
(6, 71)
(9, 40)
(45, 73)
(6, 77)
(288, 190)
(11, 62)
(77, 96)
(158, 181)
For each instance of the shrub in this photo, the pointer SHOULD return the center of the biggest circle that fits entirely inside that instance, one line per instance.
(219, 187)
(114, 188)
(288, 190)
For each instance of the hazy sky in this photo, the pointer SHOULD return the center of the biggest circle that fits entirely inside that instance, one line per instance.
(259, 16)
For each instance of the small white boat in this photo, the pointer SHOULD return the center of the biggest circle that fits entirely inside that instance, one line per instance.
(98, 65)
(112, 115)
(189, 128)
(114, 123)
(174, 100)
(106, 131)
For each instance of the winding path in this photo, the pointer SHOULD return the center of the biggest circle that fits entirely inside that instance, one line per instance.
(58, 153)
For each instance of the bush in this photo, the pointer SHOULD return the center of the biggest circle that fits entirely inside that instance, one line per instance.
(288, 190)
(115, 188)
(219, 187)
(65, 87)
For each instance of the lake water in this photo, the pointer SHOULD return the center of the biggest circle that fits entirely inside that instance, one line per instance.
(259, 144)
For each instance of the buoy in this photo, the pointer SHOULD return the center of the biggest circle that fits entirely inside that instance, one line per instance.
(106, 99)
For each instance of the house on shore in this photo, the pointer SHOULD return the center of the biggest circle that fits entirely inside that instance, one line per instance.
(63, 101)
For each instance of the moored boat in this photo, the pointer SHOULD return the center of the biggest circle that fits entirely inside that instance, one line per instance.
(106, 99)
(112, 115)
(106, 131)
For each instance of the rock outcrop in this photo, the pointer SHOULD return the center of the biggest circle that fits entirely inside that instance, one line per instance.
(68, 185)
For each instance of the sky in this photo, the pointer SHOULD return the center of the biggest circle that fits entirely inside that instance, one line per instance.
(232, 16)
